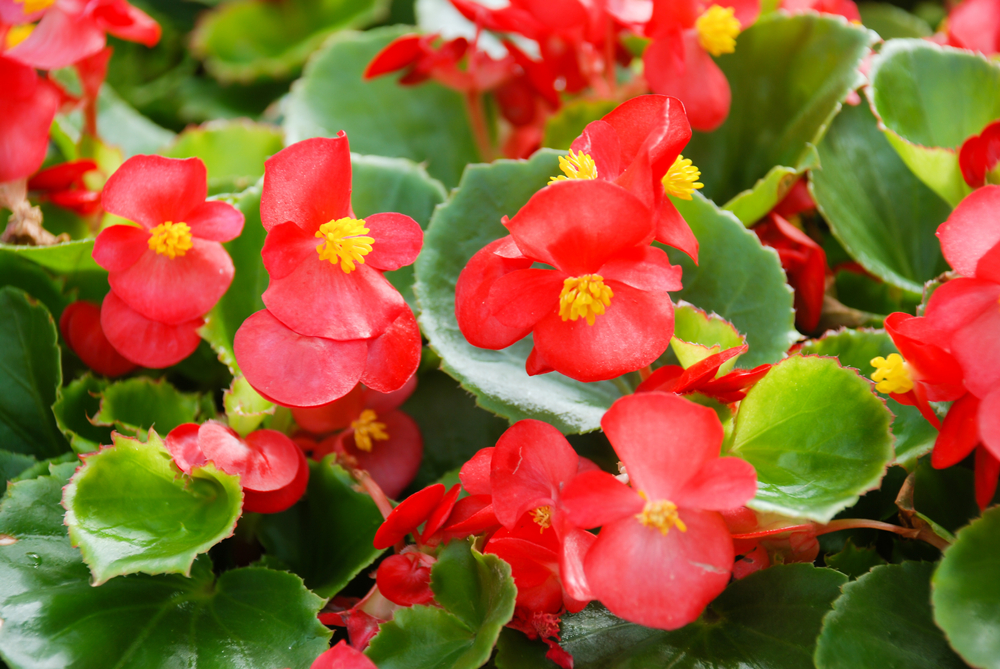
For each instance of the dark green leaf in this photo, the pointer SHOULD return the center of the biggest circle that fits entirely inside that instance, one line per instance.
(854, 561)
(818, 436)
(326, 538)
(13, 464)
(30, 376)
(78, 403)
(138, 404)
(425, 123)
(884, 620)
(788, 76)
(569, 122)
(946, 496)
(517, 651)
(891, 22)
(233, 151)
(19, 272)
(769, 619)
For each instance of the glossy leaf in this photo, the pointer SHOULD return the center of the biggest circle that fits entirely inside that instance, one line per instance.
(78, 403)
(477, 594)
(62, 258)
(892, 22)
(12, 465)
(768, 619)
(136, 405)
(914, 88)
(130, 509)
(817, 435)
(19, 272)
(233, 151)
(788, 76)
(854, 561)
(425, 123)
(894, 600)
(517, 651)
(326, 538)
(30, 375)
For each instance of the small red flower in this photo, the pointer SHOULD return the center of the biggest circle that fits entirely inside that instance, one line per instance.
(975, 25)
(405, 579)
(427, 57)
(63, 185)
(702, 377)
(804, 262)
(332, 318)
(27, 107)
(80, 325)
(430, 505)
(979, 156)
(664, 551)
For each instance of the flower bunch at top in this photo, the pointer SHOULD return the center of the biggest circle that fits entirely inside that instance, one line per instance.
(332, 318)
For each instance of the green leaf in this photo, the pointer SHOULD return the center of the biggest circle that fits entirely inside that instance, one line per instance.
(119, 125)
(250, 39)
(855, 348)
(854, 561)
(914, 86)
(130, 509)
(326, 538)
(698, 335)
(883, 619)
(569, 122)
(738, 279)
(945, 497)
(19, 272)
(136, 405)
(788, 76)
(517, 651)
(245, 408)
(78, 403)
(30, 375)
(477, 593)
(966, 592)
(61, 258)
(891, 22)
(425, 123)
(12, 465)
(466, 223)
(768, 619)
(883, 215)
(233, 151)
(818, 436)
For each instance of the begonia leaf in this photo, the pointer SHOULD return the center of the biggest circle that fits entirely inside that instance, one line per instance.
(879, 211)
(569, 122)
(245, 408)
(892, 22)
(742, 627)
(477, 594)
(788, 76)
(966, 593)
(233, 151)
(856, 348)
(698, 335)
(130, 509)
(914, 87)
(460, 227)
(517, 651)
(249, 618)
(63, 258)
(818, 436)
(326, 538)
(738, 279)
(425, 123)
(78, 403)
(854, 561)
(12, 465)
(251, 39)
(945, 496)
(30, 376)
(19, 272)
(136, 405)
(119, 125)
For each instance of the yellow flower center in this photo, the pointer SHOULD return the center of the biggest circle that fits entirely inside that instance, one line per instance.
(662, 515)
(17, 34)
(576, 166)
(345, 242)
(543, 516)
(366, 428)
(717, 30)
(584, 297)
(682, 179)
(891, 374)
(170, 239)
(31, 6)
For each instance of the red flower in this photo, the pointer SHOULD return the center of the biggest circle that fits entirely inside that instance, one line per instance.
(80, 325)
(63, 185)
(70, 30)
(702, 377)
(845, 8)
(979, 156)
(405, 579)
(273, 470)
(677, 62)
(430, 505)
(27, 107)
(427, 57)
(975, 25)
(604, 310)
(342, 656)
(804, 262)
(332, 318)
(664, 551)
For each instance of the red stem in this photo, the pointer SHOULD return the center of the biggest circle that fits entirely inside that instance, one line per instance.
(477, 119)
(852, 524)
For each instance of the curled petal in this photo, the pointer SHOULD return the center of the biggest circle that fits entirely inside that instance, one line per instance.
(182, 442)
(307, 183)
(126, 22)
(408, 515)
(276, 501)
(441, 514)
(265, 460)
(399, 54)
(478, 324)
(652, 129)
(151, 190)
(394, 356)
(405, 579)
(599, 140)
(147, 343)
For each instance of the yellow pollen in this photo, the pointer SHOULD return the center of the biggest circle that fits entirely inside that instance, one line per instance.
(170, 239)
(891, 374)
(17, 34)
(717, 30)
(576, 166)
(543, 516)
(32, 6)
(346, 242)
(367, 428)
(662, 515)
(682, 179)
(584, 297)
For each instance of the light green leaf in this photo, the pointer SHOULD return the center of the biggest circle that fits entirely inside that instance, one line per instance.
(233, 151)
(892, 22)
(136, 405)
(569, 122)
(62, 258)
(698, 335)
(78, 403)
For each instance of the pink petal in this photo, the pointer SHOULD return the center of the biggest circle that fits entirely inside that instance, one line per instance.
(308, 183)
(120, 246)
(525, 296)
(276, 501)
(575, 546)
(394, 356)
(971, 230)
(151, 190)
(720, 484)
(342, 656)
(393, 399)
(973, 25)
(147, 343)
(60, 39)
(126, 22)
(215, 221)
(645, 268)
(989, 422)
(265, 460)
(651, 128)
(597, 498)
(398, 239)
(478, 324)
(182, 442)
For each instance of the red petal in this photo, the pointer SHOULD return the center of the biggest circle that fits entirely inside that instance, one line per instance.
(525, 296)
(151, 190)
(307, 183)
(796, 200)
(393, 463)
(971, 230)
(475, 474)
(120, 246)
(62, 176)
(182, 442)
(643, 267)
(382, 402)
(987, 474)
(534, 569)
(732, 387)
(477, 323)
(536, 364)
(408, 515)
(576, 226)
(917, 341)
(664, 378)
(687, 72)
(575, 546)
(440, 514)
(973, 25)
(472, 515)
(336, 415)
(632, 333)
(145, 342)
(959, 433)
(27, 107)
(979, 155)
(660, 581)
(673, 230)
(804, 261)
(400, 53)
(398, 239)
(393, 357)
(594, 498)
(406, 579)
(80, 325)
(276, 501)
(720, 484)
(286, 248)
(294, 370)
(974, 343)
(215, 221)
(127, 22)
(663, 439)
(63, 37)
(599, 140)
(343, 656)
(652, 129)
(266, 460)
(705, 370)
(989, 422)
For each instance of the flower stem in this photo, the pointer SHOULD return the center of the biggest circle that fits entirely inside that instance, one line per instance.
(852, 524)
(480, 130)
(646, 372)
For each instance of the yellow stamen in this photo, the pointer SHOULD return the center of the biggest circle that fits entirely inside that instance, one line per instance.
(717, 30)
(170, 239)
(346, 242)
(17, 34)
(584, 297)
(891, 374)
(543, 516)
(682, 179)
(662, 515)
(32, 6)
(367, 428)
(576, 166)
